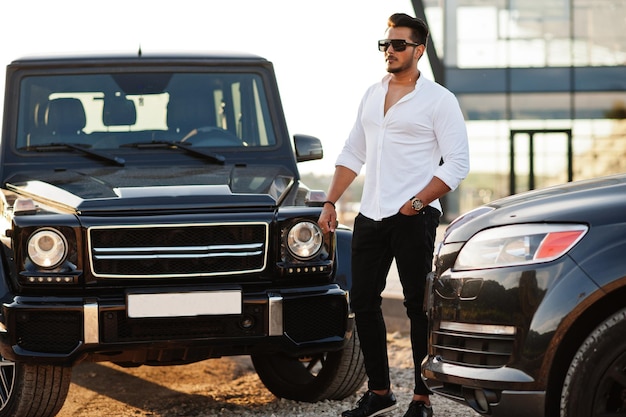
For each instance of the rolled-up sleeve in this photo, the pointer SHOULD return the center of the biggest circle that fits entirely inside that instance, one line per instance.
(353, 154)
(451, 133)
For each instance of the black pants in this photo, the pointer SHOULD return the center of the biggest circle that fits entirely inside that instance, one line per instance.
(410, 240)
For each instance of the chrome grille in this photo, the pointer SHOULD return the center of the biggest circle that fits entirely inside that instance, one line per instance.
(177, 250)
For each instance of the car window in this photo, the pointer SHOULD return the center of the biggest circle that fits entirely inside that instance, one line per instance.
(113, 110)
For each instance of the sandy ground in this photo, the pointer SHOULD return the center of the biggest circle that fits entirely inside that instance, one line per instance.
(217, 387)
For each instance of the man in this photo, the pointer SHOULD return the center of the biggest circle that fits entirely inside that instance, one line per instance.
(411, 135)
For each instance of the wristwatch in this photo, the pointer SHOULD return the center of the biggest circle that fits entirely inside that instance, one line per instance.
(416, 203)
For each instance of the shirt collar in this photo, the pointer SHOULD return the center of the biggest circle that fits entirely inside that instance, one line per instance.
(387, 78)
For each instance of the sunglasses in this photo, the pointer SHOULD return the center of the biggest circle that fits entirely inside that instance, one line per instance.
(399, 45)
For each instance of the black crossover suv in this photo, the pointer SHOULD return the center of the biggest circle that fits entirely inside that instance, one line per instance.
(527, 304)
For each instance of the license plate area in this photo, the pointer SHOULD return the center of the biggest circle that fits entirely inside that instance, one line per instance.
(184, 304)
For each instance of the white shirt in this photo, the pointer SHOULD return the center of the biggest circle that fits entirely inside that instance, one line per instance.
(402, 149)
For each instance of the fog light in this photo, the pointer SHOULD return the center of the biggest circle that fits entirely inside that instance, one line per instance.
(247, 322)
(481, 400)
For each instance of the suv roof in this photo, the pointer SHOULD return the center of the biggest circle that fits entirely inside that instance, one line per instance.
(140, 55)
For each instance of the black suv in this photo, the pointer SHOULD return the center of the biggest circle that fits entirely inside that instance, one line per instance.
(153, 213)
(527, 306)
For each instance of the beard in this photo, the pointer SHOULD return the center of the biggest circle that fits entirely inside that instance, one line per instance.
(399, 67)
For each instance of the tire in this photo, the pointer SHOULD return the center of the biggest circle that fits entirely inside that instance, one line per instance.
(327, 376)
(32, 390)
(595, 383)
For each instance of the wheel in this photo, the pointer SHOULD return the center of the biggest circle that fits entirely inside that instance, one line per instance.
(32, 390)
(595, 383)
(327, 376)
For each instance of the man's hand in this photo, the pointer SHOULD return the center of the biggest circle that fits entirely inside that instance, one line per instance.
(328, 218)
(342, 178)
(407, 209)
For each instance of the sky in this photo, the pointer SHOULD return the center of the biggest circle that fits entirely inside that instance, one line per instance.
(324, 51)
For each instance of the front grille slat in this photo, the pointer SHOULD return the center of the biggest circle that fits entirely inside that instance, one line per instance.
(178, 250)
(473, 349)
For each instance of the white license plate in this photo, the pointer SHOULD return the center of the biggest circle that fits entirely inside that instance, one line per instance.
(198, 303)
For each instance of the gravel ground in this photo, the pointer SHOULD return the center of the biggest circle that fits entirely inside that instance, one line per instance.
(220, 387)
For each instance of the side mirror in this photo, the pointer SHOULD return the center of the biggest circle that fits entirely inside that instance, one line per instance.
(308, 148)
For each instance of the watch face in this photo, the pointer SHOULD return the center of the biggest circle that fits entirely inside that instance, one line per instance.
(417, 204)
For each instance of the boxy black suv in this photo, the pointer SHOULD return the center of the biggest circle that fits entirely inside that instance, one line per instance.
(527, 306)
(153, 213)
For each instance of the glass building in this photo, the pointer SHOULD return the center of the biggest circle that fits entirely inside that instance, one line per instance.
(542, 84)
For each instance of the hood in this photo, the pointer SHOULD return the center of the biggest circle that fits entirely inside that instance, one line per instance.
(137, 188)
(596, 201)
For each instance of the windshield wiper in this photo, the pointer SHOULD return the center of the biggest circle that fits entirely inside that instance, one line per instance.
(76, 147)
(212, 156)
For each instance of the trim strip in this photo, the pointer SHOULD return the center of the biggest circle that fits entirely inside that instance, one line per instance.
(275, 315)
(478, 328)
(91, 328)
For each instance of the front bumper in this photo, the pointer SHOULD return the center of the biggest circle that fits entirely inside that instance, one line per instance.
(490, 332)
(487, 391)
(67, 330)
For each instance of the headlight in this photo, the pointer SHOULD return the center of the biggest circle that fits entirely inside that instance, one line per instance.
(518, 245)
(304, 240)
(47, 248)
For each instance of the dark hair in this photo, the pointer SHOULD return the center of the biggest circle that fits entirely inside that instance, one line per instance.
(418, 26)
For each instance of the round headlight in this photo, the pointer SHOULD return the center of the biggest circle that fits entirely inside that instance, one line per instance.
(47, 248)
(305, 240)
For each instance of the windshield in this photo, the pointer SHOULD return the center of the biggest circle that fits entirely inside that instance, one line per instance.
(109, 111)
